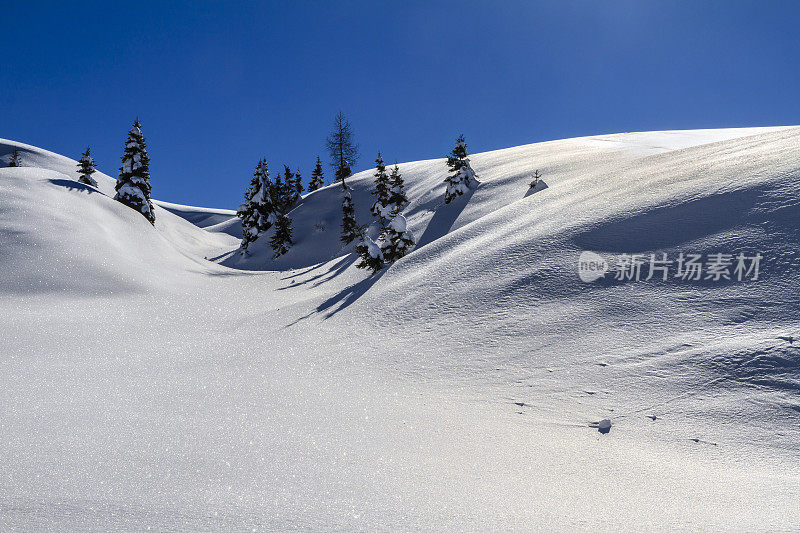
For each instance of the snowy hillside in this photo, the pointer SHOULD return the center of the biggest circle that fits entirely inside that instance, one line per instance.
(156, 377)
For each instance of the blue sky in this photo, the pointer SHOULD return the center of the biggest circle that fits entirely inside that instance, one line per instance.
(218, 85)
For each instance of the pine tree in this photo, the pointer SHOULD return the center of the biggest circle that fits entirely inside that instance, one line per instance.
(381, 208)
(463, 178)
(298, 184)
(256, 212)
(397, 194)
(293, 187)
(398, 240)
(343, 172)
(350, 229)
(341, 147)
(86, 169)
(281, 240)
(284, 197)
(317, 179)
(370, 254)
(535, 181)
(133, 183)
(16, 160)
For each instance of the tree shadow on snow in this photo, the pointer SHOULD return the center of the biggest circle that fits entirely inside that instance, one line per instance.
(539, 187)
(74, 185)
(348, 295)
(337, 268)
(444, 218)
(344, 298)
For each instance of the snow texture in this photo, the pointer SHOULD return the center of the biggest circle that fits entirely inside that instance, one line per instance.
(145, 386)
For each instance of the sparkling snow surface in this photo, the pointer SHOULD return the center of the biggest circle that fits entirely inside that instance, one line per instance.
(143, 386)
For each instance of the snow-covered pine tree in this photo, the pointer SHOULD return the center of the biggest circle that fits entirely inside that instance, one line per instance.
(86, 169)
(341, 147)
(397, 193)
(15, 160)
(370, 254)
(317, 179)
(284, 196)
(535, 181)
(133, 183)
(381, 208)
(398, 240)
(256, 211)
(350, 229)
(463, 178)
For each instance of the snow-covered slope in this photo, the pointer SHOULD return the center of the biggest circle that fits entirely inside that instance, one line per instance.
(210, 219)
(144, 386)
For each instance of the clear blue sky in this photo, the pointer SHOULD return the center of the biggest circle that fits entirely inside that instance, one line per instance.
(217, 85)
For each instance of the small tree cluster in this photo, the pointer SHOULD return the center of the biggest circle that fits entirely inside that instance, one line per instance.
(394, 240)
(266, 204)
(86, 169)
(463, 178)
(133, 182)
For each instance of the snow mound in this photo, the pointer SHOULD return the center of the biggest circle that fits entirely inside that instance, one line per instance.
(65, 236)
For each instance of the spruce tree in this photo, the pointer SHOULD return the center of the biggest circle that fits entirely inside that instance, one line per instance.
(281, 240)
(317, 179)
(350, 229)
(256, 212)
(463, 178)
(133, 183)
(293, 187)
(15, 160)
(298, 184)
(370, 254)
(397, 193)
(86, 169)
(341, 147)
(381, 207)
(398, 240)
(284, 196)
